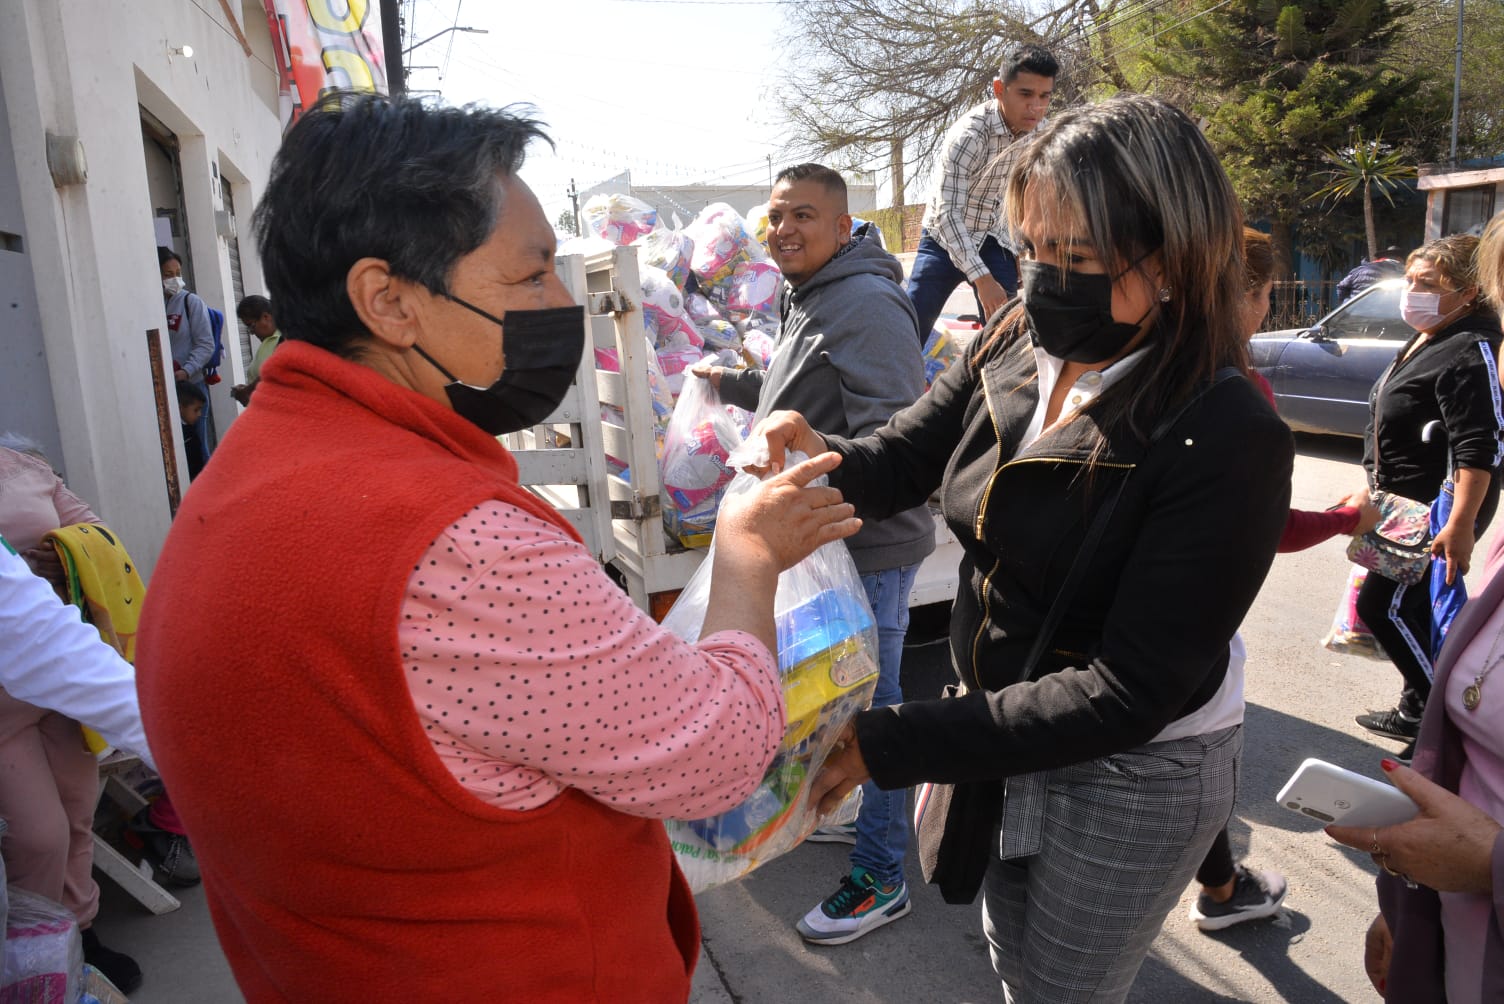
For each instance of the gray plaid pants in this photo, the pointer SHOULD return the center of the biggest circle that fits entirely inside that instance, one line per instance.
(1093, 857)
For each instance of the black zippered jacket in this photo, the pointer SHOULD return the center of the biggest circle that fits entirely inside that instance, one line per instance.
(1145, 640)
(1453, 378)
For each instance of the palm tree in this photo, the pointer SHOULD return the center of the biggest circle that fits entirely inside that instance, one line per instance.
(1361, 168)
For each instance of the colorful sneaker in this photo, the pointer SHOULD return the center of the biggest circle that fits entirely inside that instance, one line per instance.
(843, 833)
(859, 906)
(1392, 724)
(1254, 895)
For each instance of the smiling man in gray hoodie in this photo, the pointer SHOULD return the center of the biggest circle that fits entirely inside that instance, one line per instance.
(847, 357)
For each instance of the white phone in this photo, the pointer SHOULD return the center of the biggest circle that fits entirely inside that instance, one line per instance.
(1332, 794)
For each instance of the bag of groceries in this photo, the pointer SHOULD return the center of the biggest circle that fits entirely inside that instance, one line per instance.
(694, 469)
(827, 658)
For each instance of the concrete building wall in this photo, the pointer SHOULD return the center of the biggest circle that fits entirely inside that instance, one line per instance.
(80, 69)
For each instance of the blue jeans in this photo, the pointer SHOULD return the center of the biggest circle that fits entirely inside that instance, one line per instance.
(934, 277)
(882, 824)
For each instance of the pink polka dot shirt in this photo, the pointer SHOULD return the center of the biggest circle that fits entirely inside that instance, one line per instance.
(533, 672)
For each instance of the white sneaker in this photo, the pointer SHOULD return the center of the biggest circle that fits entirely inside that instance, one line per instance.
(1254, 895)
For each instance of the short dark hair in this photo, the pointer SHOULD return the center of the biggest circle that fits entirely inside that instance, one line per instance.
(188, 393)
(167, 254)
(368, 176)
(252, 307)
(830, 178)
(1028, 59)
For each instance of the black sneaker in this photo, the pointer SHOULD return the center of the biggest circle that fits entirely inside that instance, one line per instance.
(1407, 754)
(1254, 895)
(1393, 724)
(117, 967)
(170, 855)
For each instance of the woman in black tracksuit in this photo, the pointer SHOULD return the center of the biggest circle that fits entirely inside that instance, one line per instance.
(1448, 374)
(1120, 369)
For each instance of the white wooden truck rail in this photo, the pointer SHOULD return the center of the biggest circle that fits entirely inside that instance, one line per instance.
(563, 460)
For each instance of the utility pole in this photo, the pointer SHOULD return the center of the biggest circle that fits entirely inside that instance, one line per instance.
(770, 175)
(391, 43)
(1457, 83)
(574, 201)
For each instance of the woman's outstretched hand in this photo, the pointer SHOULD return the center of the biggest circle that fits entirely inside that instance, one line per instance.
(843, 770)
(786, 431)
(785, 520)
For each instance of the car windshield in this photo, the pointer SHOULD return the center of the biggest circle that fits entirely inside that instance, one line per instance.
(1373, 314)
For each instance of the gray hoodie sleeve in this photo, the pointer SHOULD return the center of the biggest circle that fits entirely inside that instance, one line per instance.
(741, 387)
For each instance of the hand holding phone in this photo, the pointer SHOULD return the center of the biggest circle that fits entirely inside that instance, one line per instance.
(1331, 794)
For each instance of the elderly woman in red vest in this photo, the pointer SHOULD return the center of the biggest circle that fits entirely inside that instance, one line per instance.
(420, 741)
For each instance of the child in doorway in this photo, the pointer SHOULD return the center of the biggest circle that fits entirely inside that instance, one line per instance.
(191, 404)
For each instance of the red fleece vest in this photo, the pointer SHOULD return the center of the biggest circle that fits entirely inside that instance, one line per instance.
(341, 860)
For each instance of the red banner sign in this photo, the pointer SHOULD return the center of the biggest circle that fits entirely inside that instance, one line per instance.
(322, 46)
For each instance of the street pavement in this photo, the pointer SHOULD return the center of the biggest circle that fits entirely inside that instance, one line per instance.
(1301, 703)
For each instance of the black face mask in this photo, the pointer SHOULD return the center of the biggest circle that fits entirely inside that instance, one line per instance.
(1073, 324)
(541, 351)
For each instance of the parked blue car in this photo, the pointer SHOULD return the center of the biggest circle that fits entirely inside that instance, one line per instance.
(1322, 374)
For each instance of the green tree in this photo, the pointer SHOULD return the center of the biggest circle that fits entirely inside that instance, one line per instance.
(1428, 40)
(566, 222)
(1367, 166)
(1279, 84)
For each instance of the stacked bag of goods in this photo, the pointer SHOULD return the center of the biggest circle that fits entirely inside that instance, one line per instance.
(722, 242)
(695, 466)
(661, 399)
(708, 290)
(753, 288)
(757, 223)
(827, 659)
(669, 250)
(619, 219)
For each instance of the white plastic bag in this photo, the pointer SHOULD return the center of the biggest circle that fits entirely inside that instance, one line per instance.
(44, 953)
(618, 218)
(721, 243)
(1349, 635)
(669, 250)
(700, 436)
(827, 657)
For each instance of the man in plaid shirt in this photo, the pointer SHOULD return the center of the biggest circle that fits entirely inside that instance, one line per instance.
(963, 235)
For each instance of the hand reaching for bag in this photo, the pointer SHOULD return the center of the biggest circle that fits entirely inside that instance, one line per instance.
(787, 431)
(708, 372)
(843, 770)
(785, 520)
(1368, 513)
(764, 532)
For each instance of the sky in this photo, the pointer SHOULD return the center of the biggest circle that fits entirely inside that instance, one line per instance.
(677, 91)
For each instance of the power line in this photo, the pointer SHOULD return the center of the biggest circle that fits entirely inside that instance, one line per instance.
(449, 49)
(1172, 27)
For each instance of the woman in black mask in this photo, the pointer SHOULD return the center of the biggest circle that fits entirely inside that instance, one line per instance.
(1119, 487)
